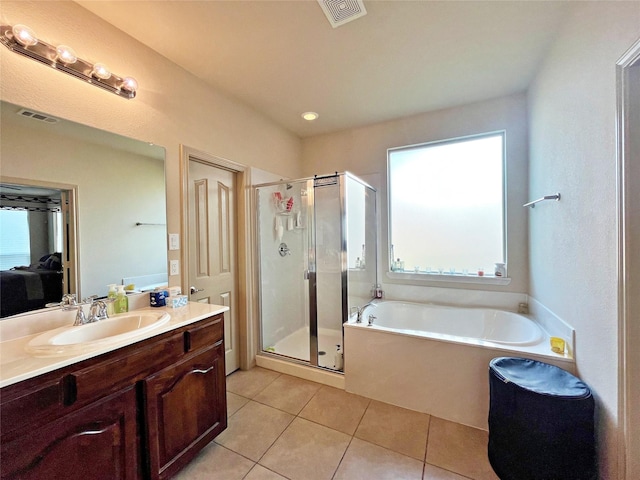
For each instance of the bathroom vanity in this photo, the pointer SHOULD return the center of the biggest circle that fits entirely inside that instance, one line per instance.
(138, 409)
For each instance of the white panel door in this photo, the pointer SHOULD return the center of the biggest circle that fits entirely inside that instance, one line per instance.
(212, 247)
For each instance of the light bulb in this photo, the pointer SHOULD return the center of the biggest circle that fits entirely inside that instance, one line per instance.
(66, 54)
(310, 116)
(129, 84)
(101, 71)
(24, 35)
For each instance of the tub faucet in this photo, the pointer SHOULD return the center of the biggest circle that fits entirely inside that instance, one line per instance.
(371, 319)
(360, 310)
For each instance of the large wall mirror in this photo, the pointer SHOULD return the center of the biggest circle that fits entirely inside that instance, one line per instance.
(80, 208)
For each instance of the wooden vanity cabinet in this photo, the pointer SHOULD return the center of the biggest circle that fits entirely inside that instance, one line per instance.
(175, 433)
(140, 412)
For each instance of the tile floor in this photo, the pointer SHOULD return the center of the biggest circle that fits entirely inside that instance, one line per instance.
(283, 427)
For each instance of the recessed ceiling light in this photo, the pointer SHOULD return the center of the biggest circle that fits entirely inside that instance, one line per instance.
(310, 116)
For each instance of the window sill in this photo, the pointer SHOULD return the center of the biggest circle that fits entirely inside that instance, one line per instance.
(449, 278)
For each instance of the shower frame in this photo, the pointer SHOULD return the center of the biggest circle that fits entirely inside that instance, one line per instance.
(311, 270)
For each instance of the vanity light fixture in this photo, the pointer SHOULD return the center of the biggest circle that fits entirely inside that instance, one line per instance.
(23, 40)
(24, 35)
(310, 116)
(66, 55)
(101, 71)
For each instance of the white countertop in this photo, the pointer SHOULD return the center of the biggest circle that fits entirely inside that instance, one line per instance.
(17, 365)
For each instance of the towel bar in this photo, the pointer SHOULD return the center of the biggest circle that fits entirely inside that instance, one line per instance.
(532, 204)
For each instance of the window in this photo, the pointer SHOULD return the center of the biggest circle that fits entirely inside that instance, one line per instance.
(446, 206)
(14, 239)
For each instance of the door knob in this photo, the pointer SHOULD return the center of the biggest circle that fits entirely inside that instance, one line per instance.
(195, 290)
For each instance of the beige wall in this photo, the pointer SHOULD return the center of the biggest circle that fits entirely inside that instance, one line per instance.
(363, 151)
(172, 106)
(573, 151)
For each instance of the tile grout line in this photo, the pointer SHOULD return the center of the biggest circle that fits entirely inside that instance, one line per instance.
(342, 458)
(350, 441)
(426, 447)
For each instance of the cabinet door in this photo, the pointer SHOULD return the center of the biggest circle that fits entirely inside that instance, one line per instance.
(185, 409)
(95, 442)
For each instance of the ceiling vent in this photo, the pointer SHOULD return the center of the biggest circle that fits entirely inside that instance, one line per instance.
(339, 12)
(23, 112)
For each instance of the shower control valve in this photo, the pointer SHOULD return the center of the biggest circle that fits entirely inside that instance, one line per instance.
(284, 250)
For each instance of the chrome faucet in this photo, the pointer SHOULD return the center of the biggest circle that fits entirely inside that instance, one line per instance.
(69, 301)
(81, 319)
(97, 311)
(360, 310)
(371, 319)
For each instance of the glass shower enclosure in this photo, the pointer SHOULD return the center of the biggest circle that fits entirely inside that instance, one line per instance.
(317, 250)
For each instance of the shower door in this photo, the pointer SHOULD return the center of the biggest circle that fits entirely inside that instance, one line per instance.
(284, 215)
(327, 272)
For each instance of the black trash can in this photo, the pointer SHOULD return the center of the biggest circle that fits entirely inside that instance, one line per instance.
(541, 422)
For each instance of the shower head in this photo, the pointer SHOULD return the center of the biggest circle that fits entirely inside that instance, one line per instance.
(289, 186)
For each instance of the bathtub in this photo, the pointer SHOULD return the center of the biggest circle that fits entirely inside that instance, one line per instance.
(435, 359)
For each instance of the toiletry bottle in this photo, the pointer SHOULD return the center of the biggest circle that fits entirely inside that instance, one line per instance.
(364, 254)
(378, 291)
(339, 359)
(111, 298)
(122, 302)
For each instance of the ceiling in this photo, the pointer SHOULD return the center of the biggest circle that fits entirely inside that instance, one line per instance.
(402, 58)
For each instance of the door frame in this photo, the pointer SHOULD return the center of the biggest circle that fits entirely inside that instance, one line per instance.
(243, 251)
(70, 236)
(628, 272)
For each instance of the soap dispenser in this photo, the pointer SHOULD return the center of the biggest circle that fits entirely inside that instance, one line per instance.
(111, 298)
(122, 302)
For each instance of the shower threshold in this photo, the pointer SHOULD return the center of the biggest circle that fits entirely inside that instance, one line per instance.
(296, 346)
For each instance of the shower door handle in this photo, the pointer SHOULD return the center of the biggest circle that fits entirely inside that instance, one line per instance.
(305, 274)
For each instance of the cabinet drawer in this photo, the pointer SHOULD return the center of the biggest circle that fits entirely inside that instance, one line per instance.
(22, 407)
(111, 376)
(204, 335)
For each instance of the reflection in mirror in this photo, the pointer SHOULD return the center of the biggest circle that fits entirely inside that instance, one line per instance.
(36, 226)
(115, 184)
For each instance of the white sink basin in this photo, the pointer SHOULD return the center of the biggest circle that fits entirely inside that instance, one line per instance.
(71, 340)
